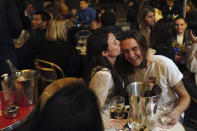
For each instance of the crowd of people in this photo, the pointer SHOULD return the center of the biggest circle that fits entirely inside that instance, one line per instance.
(114, 58)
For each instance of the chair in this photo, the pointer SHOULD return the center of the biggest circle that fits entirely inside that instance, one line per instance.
(51, 89)
(48, 72)
(194, 99)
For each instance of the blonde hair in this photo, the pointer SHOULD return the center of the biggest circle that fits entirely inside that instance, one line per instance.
(57, 30)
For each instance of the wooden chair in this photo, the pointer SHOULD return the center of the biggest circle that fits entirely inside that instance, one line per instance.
(51, 89)
(47, 72)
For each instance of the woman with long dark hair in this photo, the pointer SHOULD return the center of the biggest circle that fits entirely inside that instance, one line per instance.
(102, 51)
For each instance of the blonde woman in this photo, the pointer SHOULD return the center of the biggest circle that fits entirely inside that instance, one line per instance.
(56, 49)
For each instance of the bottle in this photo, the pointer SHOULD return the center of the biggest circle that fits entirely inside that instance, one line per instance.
(155, 90)
(11, 66)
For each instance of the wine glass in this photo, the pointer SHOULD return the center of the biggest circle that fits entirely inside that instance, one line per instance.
(82, 37)
(162, 114)
(119, 102)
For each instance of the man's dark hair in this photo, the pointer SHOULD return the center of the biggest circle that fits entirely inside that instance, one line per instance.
(108, 18)
(138, 37)
(180, 17)
(44, 15)
(125, 68)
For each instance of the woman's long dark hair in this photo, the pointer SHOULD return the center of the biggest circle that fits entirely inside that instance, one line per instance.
(141, 17)
(97, 43)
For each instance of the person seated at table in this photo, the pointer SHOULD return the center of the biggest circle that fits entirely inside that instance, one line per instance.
(182, 35)
(27, 53)
(56, 49)
(146, 20)
(134, 48)
(72, 108)
(102, 51)
(162, 37)
(190, 119)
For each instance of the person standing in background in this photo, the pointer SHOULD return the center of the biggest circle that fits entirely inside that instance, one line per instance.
(10, 27)
(30, 10)
(172, 8)
(86, 14)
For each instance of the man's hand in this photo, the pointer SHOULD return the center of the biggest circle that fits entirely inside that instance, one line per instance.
(174, 116)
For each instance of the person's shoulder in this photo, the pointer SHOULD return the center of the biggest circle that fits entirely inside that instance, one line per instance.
(99, 72)
(163, 60)
(39, 34)
(90, 9)
(100, 69)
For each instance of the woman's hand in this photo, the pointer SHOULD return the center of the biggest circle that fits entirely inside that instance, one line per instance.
(150, 57)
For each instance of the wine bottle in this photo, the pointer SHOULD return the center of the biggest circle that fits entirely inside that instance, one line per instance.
(11, 67)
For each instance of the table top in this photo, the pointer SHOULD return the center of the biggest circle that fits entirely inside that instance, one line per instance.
(177, 127)
(120, 124)
(25, 112)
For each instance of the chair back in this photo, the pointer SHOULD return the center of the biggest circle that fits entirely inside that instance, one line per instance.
(51, 89)
(48, 71)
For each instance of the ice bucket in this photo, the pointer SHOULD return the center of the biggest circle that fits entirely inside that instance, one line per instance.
(26, 87)
(143, 102)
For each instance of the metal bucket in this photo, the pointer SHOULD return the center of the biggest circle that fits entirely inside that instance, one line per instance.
(26, 87)
(143, 101)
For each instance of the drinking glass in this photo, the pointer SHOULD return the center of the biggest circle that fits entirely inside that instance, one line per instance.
(82, 37)
(8, 92)
(119, 102)
(162, 114)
